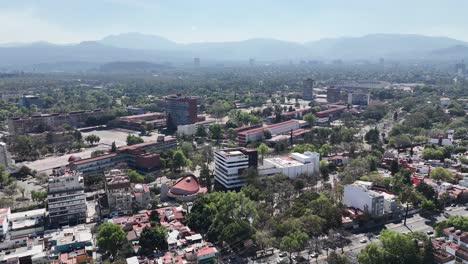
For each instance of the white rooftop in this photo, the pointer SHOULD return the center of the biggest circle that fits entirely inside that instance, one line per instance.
(132, 260)
(284, 162)
(28, 214)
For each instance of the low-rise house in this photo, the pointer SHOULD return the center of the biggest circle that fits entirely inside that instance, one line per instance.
(29, 254)
(70, 239)
(27, 222)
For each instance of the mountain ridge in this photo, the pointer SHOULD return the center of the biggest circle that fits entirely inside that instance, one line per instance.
(157, 49)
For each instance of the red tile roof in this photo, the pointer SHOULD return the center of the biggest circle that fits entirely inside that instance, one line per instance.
(186, 185)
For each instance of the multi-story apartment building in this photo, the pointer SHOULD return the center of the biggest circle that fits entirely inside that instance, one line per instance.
(50, 122)
(359, 195)
(230, 165)
(358, 99)
(29, 100)
(181, 110)
(122, 195)
(5, 156)
(66, 199)
(333, 94)
(308, 90)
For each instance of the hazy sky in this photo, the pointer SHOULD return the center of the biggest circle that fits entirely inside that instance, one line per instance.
(65, 21)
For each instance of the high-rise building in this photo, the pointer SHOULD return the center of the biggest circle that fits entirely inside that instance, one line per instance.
(308, 90)
(333, 94)
(358, 99)
(5, 156)
(230, 165)
(66, 199)
(196, 62)
(29, 100)
(181, 110)
(252, 62)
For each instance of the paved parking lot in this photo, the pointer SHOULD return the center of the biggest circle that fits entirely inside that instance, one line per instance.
(46, 164)
(118, 135)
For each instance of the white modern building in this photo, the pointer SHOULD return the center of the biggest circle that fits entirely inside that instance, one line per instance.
(66, 199)
(4, 221)
(293, 165)
(230, 165)
(359, 195)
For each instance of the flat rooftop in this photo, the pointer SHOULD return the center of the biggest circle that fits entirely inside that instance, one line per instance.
(284, 162)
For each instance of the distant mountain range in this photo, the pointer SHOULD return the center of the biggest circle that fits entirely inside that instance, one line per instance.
(136, 47)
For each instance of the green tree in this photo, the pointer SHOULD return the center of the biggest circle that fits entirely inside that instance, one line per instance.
(153, 238)
(216, 131)
(426, 190)
(224, 216)
(335, 258)
(110, 237)
(310, 118)
(262, 150)
(409, 196)
(394, 167)
(132, 140)
(39, 196)
(267, 134)
(179, 160)
(400, 141)
(293, 242)
(372, 136)
(135, 177)
(372, 254)
(205, 174)
(428, 205)
(91, 139)
(113, 147)
(154, 217)
(4, 175)
(441, 173)
(201, 131)
(187, 148)
(324, 150)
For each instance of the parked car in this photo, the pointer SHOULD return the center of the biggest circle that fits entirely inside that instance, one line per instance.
(314, 255)
(363, 240)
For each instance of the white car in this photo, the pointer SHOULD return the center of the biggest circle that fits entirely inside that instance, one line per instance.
(314, 255)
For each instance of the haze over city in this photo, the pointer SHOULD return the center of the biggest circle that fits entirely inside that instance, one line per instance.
(188, 21)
